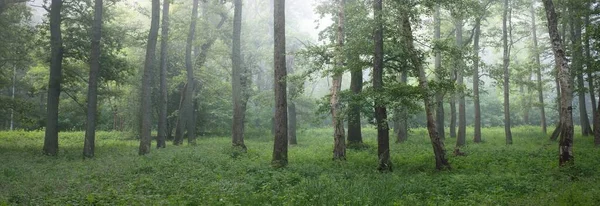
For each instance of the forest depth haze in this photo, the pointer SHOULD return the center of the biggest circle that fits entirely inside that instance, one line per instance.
(316, 102)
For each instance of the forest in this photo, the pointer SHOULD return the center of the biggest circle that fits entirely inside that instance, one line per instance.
(313, 102)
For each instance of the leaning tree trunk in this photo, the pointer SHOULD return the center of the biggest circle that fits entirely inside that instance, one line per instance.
(56, 53)
(146, 116)
(383, 134)
(92, 107)
(280, 146)
(162, 103)
(462, 118)
(540, 83)
(476, 103)
(566, 118)
(506, 62)
(441, 162)
(439, 97)
(339, 144)
(237, 139)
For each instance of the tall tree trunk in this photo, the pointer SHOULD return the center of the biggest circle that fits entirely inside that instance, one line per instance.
(12, 97)
(462, 118)
(92, 107)
(162, 103)
(476, 104)
(181, 121)
(452, 103)
(538, 65)
(280, 146)
(589, 66)
(577, 67)
(146, 116)
(439, 97)
(237, 139)
(51, 138)
(597, 126)
(566, 118)
(383, 133)
(506, 62)
(401, 116)
(188, 101)
(292, 89)
(441, 162)
(339, 144)
(354, 125)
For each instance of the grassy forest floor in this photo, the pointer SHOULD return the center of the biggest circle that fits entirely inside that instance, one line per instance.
(525, 173)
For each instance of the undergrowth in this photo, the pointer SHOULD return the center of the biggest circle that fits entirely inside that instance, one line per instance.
(213, 173)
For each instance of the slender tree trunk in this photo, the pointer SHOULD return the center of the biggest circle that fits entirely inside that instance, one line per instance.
(292, 89)
(162, 103)
(92, 107)
(146, 116)
(589, 68)
(577, 67)
(476, 104)
(506, 62)
(462, 118)
(566, 110)
(383, 133)
(452, 104)
(188, 101)
(597, 126)
(181, 121)
(401, 120)
(237, 139)
(439, 113)
(339, 144)
(439, 152)
(280, 146)
(51, 138)
(540, 83)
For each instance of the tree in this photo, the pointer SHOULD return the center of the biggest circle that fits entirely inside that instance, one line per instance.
(505, 64)
(146, 114)
(293, 91)
(51, 134)
(162, 103)
(577, 67)
(462, 118)
(339, 144)
(401, 115)
(565, 145)
(92, 107)
(280, 146)
(538, 70)
(439, 97)
(356, 84)
(476, 102)
(441, 162)
(237, 132)
(383, 133)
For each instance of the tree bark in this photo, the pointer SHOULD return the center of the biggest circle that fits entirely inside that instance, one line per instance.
(339, 144)
(51, 134)
(597, 126)
(354, 125)
(280, 146)
(383, 133)
(146, 116)
(237, 139)
(566, 118)
(506, 62)
(439, 113)
(577, 67)
(589, 66)
(540, 83)
(452, 103)
(162, 103)
(476, 103)
(92, 107)
(401, 114)
(292, 89)
(188, 101)
(462, 118)
(439, 152)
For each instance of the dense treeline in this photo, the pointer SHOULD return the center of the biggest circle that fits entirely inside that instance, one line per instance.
(244, 68)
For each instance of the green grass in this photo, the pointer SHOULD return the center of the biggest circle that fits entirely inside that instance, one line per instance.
(212, 173)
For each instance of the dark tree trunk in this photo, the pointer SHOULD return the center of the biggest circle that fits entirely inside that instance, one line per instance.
(577, 67)
(181, 122)
(476, 104)
(441, 162)
(92, 107)
(383, 133)
(452, 104)
(506, 62)
(538, 71)
(280, 146)
(401, 114)
(188, 101)
(162, 103)
(439, 97)
(51, 138)
(237, 139)
(566, 118)
(354, 125)
(146, 116)
(597, 125)
(589, 66)
(462, 118)
(339, 144)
